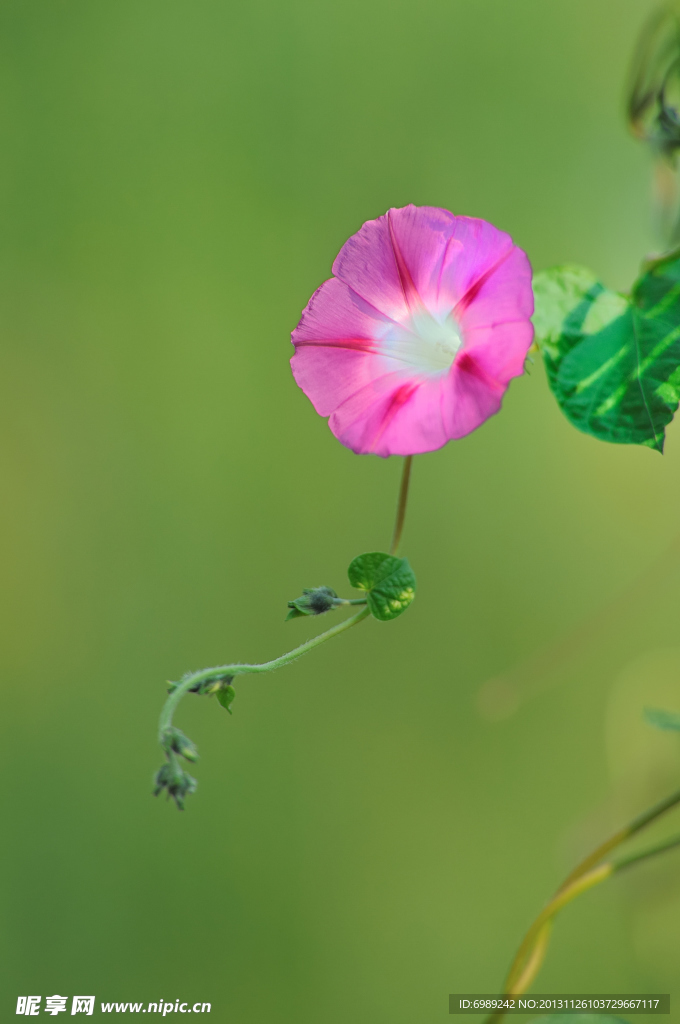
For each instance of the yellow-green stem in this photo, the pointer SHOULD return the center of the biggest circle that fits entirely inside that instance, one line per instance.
(533, 964)
(532, 950)
(636, 825)
(563, 896)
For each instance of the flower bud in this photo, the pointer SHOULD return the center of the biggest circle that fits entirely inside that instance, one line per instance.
(174, 739)
(177, 782)
(313, 602)
(203, 686)
(654, 92)
(654, 111)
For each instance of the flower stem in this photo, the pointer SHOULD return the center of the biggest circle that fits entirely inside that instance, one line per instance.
(401, 506)
(652, 851)
(207, 675)
(536, 958)
(636, 825)
(587, 874)
(519, 976)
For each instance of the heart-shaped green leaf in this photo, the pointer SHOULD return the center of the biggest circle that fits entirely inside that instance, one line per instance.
(613, 362)
(389, 583)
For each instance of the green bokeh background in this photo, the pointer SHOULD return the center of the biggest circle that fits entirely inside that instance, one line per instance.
(375, 826)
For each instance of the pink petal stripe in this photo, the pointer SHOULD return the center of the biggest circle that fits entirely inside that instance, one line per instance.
(502, 293)
(500, 349)
(411, 296)
(423, 236)
(482, 248)
(335, 311)
(393, 418)
(367, 264)
(332, 375)
(470, 398)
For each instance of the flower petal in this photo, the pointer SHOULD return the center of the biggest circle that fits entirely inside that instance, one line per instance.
(394, 415)
(334, 373)
(337, 348)
(424, 238)
(500, 350)
(502, 294)
(367, 264)
(335, 312)
(471, 396)
(482, 251)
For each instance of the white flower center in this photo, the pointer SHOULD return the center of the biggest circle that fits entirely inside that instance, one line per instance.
(423, 342)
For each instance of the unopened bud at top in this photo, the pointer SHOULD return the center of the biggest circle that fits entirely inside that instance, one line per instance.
(654, 93)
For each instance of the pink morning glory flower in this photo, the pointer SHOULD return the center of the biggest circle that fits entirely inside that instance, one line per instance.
(415, 339)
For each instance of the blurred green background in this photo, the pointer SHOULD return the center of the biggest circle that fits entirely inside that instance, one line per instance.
(375, 826)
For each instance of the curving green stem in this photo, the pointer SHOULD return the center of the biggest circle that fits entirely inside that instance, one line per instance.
(207, 675)
(220, 672)
(172, 776)
(652, 851)
(542, 926)
(587, 874)
(636, 825)
(531, 952)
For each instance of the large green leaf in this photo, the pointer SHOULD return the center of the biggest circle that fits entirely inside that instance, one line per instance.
(389, 583)
(613, 362)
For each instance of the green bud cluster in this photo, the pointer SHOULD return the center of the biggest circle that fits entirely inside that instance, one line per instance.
(172, 777)
(175, 780)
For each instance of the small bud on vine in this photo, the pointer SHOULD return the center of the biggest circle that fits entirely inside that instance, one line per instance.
(175, 740)
(653, 98)
(175, 780)
(202, 687)
(315, 601)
